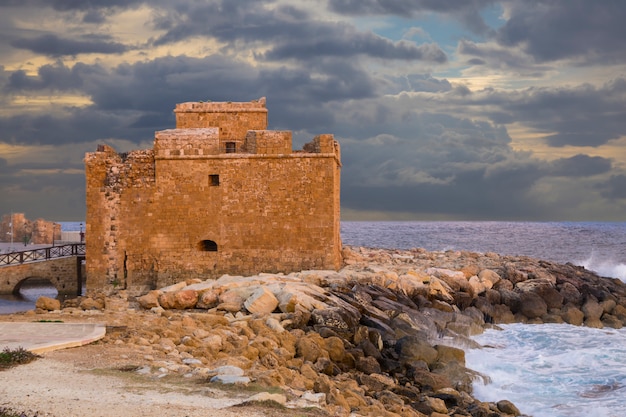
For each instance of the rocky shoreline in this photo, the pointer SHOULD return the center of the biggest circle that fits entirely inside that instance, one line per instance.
(384, 336)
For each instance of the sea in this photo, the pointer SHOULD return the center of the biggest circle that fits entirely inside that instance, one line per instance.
(549, 370)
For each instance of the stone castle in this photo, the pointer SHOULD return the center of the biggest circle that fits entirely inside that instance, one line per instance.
(219, 194)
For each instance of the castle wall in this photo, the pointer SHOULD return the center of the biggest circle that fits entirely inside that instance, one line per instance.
(117, 190)
(188, 209)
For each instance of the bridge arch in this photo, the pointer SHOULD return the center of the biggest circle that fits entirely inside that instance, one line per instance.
(65, 274)
(35, 281)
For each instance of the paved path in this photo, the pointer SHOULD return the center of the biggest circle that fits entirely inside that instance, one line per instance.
(45, 337)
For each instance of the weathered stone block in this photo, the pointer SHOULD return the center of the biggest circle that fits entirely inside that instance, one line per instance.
(262, 301)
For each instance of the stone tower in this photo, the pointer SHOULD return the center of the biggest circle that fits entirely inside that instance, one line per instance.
(219, 194)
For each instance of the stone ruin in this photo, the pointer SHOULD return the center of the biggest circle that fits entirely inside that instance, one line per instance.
(26, 231)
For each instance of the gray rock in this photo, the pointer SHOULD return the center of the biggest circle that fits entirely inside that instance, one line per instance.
(230, 379)
(228, 370)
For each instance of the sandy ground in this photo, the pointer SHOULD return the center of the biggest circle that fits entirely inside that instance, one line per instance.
(62, 385)
(99, 380)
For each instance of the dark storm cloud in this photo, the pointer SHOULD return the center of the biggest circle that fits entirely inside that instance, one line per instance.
(478, 192)
(343, 41)
(248, 21)
(50, 77)
(289, 33)
(410, 142)
(615, 187)
(403, 158)
(468, 197)
(54, 46)
(467, 12)
(583, 115)
(94, 16)
(588, 32)
(33, 183)
(496, 57)
(132, 101)
(228, 21)
(69, 5)
(580, 166)
(74, 126)
(42, 190)
(294, 94)
(4, 167)
(407, 146)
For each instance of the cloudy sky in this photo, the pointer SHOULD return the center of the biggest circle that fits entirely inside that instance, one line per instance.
(444, 109)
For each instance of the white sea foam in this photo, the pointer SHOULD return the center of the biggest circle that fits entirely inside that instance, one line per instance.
(605, 267)
(553, 370)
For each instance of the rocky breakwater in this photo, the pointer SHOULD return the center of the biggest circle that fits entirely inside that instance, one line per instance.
(384, 336)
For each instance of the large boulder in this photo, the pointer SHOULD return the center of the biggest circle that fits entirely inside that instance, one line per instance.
(47, 303)
(336, 318)
(592, 310)
(149, 300)
(543, 288)
(311, 347)
(262, 301)
(532, 305)
(477, 286)
(89, 303)
(208, 299)
(414, 349)
(179, 300)
(511, 299)
(230, 300)
(368, 365)
(489, 277)
(456, 280)
(413, 283)
(572, 315)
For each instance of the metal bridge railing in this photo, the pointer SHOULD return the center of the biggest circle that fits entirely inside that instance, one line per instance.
(42, 254)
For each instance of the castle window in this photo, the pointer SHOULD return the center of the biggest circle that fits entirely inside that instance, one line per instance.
(207, 246)
(231, 147)
(214, 180)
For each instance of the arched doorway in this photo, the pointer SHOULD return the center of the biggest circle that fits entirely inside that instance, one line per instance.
(207, 246)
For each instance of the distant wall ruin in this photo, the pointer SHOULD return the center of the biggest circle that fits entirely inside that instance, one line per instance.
(26, 231)
(220, 194)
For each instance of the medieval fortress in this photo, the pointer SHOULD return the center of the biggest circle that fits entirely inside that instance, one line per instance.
(219, 194)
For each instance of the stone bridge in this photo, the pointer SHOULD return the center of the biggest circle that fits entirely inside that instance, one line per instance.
(62, 266)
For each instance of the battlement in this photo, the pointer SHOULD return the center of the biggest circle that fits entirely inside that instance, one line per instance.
(232, 119)
(257, 106)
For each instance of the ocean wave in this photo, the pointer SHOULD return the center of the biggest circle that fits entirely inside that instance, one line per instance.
(605, 267)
